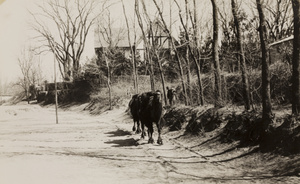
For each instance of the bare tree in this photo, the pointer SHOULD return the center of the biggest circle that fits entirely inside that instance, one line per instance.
(72, 21)
(266, 95)
(296, 59)
(153, 49)
(279, 21)
(132, 49)
(246, 89)
(108, 39)
(175, 50)
(30, 71)
(200, 96)
(187, 54)
(149, 56)
(190, 51)
(217, 72)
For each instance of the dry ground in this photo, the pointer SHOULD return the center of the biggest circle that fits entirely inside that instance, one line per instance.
(84, 149)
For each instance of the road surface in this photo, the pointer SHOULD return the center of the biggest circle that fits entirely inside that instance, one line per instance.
(85, 149)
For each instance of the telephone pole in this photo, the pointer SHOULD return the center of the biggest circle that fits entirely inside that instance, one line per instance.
(55, 83)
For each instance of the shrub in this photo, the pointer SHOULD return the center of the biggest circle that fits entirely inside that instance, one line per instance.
(233, 91)
(204, 121)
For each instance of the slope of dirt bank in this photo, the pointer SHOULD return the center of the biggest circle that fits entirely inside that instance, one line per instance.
(103, 149)
(231, 137)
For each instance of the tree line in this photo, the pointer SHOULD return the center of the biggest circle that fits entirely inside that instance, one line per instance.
(232, 39)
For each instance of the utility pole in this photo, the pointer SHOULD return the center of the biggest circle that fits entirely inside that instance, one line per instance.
(55, 83)
(1, 86)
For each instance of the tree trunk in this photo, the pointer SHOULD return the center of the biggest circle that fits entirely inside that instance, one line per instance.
(135, 71)
(242, 63)
(75, 70)
(66, 75)
(55, 90)
(133, 52)
(198, 68)
(296, 59)
(187, 55)
(147, 45)
(152, 80)
(217, 71)
(188, 76)
(151, 70)
(109, 83)
(175, 50)
(193, 52)
(162, 77)
(266, 97)
(155, 51)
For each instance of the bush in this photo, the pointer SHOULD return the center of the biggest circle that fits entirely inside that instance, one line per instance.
(78, 91)
(244, 127)
(232, 87)
(176, 118)
(284, 139)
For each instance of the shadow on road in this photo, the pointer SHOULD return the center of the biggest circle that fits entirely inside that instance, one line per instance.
(221, 153)
(222, 179)
(207, 141)
(123, 142)
(118, 133)
(288, 167)
(242, 155)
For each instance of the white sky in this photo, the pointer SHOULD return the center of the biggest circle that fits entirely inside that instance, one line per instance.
(15, 33)
(12, 34)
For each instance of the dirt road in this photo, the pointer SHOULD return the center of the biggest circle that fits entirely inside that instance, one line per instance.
(85, 149)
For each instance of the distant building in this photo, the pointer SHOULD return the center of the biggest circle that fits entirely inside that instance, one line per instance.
(118, 38)
(158, 36)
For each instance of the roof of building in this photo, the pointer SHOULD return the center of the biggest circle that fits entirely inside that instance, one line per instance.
(158, 29)
(117, 37)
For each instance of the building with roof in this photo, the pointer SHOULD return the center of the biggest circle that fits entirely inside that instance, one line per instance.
(158, 36)
(118, 38)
